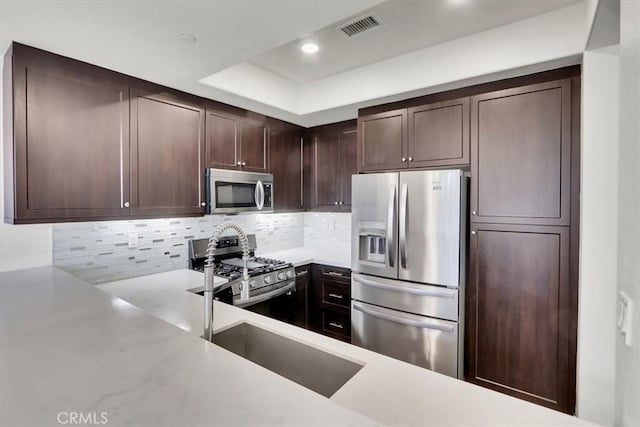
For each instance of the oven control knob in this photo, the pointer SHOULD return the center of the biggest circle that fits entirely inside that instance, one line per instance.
(267, 280)
(290, 274)
(252, 284)
(281, 276)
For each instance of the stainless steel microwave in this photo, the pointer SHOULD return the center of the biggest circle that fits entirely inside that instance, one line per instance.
(231, 191)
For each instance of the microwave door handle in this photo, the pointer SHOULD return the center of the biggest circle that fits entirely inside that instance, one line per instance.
(258, 195)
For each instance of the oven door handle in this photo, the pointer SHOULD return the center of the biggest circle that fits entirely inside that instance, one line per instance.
(291, 286)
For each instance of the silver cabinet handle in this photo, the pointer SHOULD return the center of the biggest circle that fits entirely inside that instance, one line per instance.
(473, 232)
(203, 204)
(403, 225)
(402, 319)
(127, 204)
(341, 203)
(239, 163)
(333, 273)
(336, 325)
(337, 296)
(411, 159)
(335, 203)
(474, 213)
(244, 163)
(302, 273)
(259, 195)
(404, 159)
(408, 288)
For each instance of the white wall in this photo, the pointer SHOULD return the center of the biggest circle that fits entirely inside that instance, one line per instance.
(628, 358)
(21, 246)
(598, 240)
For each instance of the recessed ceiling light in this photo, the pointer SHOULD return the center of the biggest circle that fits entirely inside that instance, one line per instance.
(187, 38)
(459, 2)
(310, 48)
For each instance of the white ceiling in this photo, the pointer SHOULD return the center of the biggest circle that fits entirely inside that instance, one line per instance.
(246, 50)
(408, 25)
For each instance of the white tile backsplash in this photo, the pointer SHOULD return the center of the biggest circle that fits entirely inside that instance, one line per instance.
(328, 231)
(99, 251)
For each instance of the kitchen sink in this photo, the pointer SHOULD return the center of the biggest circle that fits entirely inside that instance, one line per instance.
(314, 369)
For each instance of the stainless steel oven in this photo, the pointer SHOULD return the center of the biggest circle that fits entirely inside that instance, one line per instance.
(238, 191)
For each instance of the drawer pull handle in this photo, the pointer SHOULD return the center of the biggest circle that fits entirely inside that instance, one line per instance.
(302, 273)
(336, 325)
(338, 296)
(333, 273)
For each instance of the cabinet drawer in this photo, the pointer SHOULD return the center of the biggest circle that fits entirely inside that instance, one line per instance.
(336, 323)
(303, 273)
(335, 273)
(336, 293)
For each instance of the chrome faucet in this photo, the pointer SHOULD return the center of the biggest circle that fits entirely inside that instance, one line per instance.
(209, 273)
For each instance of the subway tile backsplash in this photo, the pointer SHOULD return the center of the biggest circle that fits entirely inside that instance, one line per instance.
(99, 252)
(328, 231)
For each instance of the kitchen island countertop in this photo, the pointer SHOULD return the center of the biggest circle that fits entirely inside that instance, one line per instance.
(386, 390)
(66, 346)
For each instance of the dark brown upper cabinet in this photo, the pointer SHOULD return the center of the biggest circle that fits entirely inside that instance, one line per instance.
(438, 134)
(430, 135)
(285, 148)
(66, 139)
(348, 163)
(518, 336)
(254, 146)
(222, 140)
(235, 142)
(521, 154)
(333, 161)
(167, 152)
(382, 140)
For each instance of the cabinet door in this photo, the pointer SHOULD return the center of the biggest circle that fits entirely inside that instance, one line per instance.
(326, 169)
(521, 155)
(383, 140)
(518, 312)
(254, 147)
(348, 165)
(439, 134)
(167, 149)
(303, 278)
(286, 167)
(70, 145)
(223, 137)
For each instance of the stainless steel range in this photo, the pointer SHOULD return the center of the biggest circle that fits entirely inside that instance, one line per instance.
(269, 279)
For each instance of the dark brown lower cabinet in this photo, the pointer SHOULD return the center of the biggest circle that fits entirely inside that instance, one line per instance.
(519, 311)
(303, 278)
(330, 301)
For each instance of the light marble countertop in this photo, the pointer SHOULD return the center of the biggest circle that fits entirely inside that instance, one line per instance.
(386, 390)
(66, 346)
(310, 254)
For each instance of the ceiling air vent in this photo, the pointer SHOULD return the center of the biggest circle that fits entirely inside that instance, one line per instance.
(360, 25)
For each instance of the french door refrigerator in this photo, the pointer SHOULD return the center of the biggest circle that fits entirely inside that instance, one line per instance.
(408, 257)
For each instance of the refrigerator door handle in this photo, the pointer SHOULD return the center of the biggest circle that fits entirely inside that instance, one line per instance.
(403, 225)
(407, 288)
(399, 317)
(391, 221)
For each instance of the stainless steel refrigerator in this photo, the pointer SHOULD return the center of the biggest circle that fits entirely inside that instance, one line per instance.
(408, 257)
